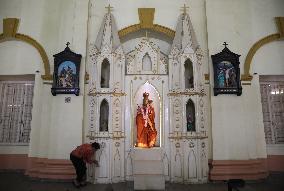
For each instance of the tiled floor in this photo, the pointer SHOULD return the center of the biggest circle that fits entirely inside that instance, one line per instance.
(13, 181)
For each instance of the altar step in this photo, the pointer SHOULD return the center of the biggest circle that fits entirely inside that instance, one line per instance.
(148, 169)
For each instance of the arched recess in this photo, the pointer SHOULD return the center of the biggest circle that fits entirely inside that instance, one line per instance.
(270, 38)
(190, 116)
(104, 113)
(154, 95)
(146, 63)
(10, 27)
(188, 74)
(105, 74)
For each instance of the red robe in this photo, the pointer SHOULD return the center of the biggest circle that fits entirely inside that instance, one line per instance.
(146, 134)
(85, 152)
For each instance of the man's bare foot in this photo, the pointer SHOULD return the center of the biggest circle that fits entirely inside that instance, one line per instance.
(76, 183)
(83, 183)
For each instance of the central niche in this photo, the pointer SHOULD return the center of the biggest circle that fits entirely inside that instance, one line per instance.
(149, 92)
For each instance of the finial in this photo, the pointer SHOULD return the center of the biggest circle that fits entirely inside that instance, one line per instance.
(184, 9)
(225, 44)
(67, 44)
(109, 8)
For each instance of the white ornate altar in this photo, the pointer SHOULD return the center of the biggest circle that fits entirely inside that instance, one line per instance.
(174, 80)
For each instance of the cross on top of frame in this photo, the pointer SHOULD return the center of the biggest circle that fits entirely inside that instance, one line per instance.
(109, 8)
(184, 8)
(225, 44)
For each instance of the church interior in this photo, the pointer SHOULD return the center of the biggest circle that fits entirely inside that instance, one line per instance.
(179, 94)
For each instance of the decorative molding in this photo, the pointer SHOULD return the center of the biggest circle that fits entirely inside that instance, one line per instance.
(130, 29)
(10, 27)
(114, 135)
(270, 38)
(252, 169)
(165, 30)
(87, 76)
(201, 93)
(206, 77)
(188, 137)
(246, 84)
(47, 77)
(280, 25)
(116, 94)
(246, 77)
(146, 17)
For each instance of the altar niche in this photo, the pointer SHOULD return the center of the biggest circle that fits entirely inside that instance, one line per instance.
(104, 113)
(188, 74)
(147, 95)
(190, 116)
(105, 74)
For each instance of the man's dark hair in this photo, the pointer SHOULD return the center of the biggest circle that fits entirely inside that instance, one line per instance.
(96, 145)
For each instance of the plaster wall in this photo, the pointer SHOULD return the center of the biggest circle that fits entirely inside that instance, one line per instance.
(56, 125)
(18, 57)
(237, 127)
(269, 58)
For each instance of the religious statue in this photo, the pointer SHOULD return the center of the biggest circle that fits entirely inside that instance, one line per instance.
(145, 121)
(190, 123)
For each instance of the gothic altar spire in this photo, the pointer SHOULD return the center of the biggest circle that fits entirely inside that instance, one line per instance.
(185, 34)
(108, 33)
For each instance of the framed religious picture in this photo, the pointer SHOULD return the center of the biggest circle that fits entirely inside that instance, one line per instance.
(66, 72)
(226, 72)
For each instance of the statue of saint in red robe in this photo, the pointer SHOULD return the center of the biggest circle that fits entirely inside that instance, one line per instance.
(145, 121)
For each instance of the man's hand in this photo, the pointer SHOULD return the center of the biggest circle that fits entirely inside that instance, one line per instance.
(96, 163)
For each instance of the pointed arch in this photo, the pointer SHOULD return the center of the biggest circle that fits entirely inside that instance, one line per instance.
(204, 171)
(129, 169)
(192, 167)
(188, 74)
(190, 116)
(178, 165)
(105, 73)
(117, 164)
(146, 63)
(154, 95)
(166, 165)
(103, 161)
(104, 113)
